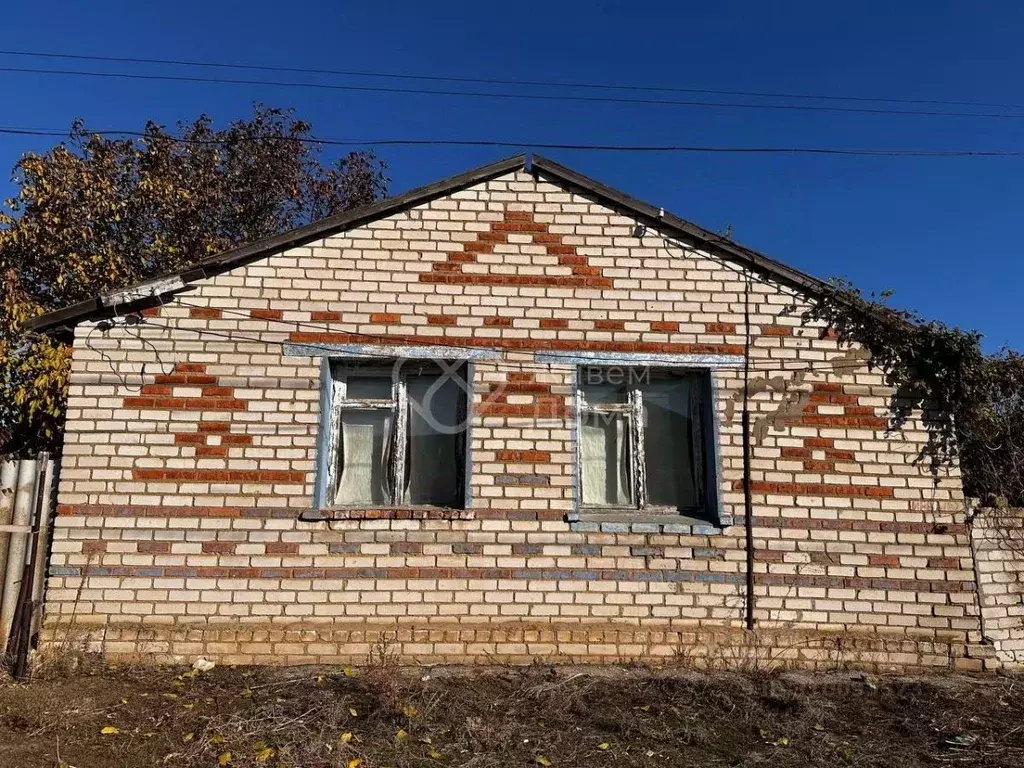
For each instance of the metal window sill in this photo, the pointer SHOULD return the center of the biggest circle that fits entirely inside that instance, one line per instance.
(613, 521)
(386, 513)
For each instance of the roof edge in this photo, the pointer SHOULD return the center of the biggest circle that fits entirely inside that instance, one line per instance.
(664, 221)
(245, 254)
(146, 293)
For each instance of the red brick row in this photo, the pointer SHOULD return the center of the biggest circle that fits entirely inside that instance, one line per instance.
(817, 489)
(186, 403)
(527, 456)
(219, 475)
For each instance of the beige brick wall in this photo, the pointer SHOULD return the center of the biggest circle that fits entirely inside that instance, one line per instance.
(997, 536)
(192, 440)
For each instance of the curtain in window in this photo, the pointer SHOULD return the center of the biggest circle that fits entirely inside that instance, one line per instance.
(604, 452)
(362, 456)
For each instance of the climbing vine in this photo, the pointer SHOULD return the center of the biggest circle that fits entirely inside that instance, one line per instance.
(972, 403)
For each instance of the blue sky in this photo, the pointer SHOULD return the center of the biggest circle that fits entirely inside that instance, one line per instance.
(943, 233)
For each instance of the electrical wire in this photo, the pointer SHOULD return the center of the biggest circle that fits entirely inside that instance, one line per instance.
(568, 146)
(507, 95)
(512, 82)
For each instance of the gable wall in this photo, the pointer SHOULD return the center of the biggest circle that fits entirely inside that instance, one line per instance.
(182, 485)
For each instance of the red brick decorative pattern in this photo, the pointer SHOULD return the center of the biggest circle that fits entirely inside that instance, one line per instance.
(518, 222)
(854, 415)
(544, 404)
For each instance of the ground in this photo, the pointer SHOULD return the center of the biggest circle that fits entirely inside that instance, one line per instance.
(381, 715)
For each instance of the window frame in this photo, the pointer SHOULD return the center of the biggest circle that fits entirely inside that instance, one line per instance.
(707, 509)
(336, 375)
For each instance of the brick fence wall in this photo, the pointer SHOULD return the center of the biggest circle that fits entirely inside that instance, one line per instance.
(192, 447)
(998, 539)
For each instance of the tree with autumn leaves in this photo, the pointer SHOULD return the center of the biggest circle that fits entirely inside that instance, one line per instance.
(97, 213)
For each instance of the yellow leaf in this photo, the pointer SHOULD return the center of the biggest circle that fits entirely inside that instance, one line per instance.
(435, 754)
(352, 711)
(410, 711)
(188, 737)
(348, 672)
(402, 734)
(541, 760)
(109, 730)
(224, 758)
(265, 754)
(170, 695)
(188, 706)
(124, 701)
(355, 763)
(216, 739)
(603, 745)
(345, 738)
(247, 692)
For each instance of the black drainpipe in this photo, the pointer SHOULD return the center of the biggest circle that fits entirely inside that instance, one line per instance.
(748, 505)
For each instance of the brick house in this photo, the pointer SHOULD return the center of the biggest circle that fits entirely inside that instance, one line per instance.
(495, 418)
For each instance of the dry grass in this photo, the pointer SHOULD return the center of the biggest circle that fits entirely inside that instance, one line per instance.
(503, 717)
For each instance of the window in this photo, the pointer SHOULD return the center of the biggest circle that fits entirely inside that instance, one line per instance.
(397, 435)
(643, 441)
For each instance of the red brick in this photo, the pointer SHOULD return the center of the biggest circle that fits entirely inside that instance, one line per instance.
(214, 426)
(218, 391)
(218, 547)
(610, 325)
(498, 322)
(819, 442)
(154, 547)
(266, 314)
(532, 457)
(664, 326)
(442, 319)
(776, 330)
(281, 548)
(796, 453)
(211, 450)
(819, 466)
(206, 313)
(325, 317)
(720, 327)
(553, 322)
(385, 318)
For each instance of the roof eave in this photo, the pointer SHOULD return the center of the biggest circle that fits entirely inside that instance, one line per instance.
(645, 213)
(665, 222)
(246, 254)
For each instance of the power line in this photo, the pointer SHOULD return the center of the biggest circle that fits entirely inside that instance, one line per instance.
(499, 81)
(507, 95)
(647, 148)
